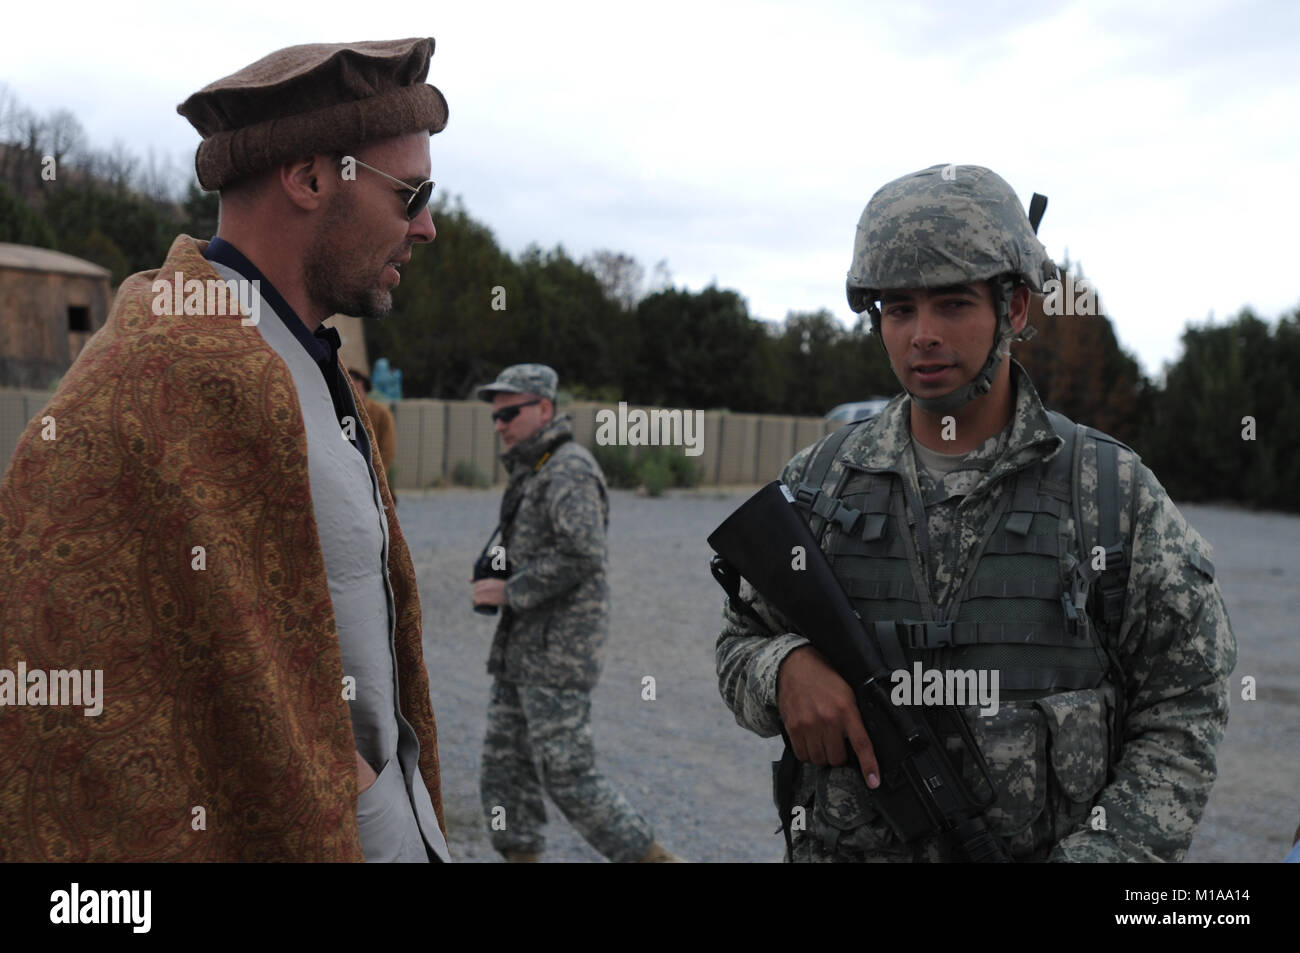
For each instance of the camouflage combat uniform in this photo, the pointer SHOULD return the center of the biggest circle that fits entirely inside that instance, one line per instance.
(547, 653)
(1048, 751)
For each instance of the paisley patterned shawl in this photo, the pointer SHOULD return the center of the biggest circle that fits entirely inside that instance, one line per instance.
(222, 685)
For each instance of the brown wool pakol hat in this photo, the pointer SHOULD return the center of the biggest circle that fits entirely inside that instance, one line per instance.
(318, 97)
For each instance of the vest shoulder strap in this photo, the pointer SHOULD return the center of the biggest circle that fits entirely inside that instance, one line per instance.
(1113, 578)
(1059, 468)
(1044, 487)
(1107, 607)
(814, 497)
(821, 464)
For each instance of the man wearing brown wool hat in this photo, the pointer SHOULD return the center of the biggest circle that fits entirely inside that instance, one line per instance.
(203, 523)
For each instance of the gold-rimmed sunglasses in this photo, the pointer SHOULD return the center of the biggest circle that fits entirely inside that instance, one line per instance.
(420, 194)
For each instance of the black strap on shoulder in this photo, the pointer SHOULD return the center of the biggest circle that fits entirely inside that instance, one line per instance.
(1114, 578)
(821, 464)
(488, 544)
(1058, 472)
(811, 495)
(510, 505)
(1107, 608)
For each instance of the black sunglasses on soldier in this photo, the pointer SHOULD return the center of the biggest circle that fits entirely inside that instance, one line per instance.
(507, 414)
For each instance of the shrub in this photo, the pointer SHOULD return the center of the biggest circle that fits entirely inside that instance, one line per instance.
(619, 468)
(465, 473)
(656, 473)
(655, 468)
(686, 472)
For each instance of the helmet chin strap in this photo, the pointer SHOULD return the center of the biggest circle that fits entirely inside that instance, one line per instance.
(978, 386)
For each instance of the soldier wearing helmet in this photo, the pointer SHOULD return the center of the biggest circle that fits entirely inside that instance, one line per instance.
(982, 536)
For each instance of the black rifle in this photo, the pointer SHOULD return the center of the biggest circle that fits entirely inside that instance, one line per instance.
(921, 791)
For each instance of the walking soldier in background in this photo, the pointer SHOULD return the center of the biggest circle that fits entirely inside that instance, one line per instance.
(976, 532)
(549, 645)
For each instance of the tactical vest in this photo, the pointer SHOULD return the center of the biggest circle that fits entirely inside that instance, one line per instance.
(1031, 607)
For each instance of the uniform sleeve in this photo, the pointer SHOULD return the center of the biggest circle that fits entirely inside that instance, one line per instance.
(749, 652)
(1177, 649)
(575, 505)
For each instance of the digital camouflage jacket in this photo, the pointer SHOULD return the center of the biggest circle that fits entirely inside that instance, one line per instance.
(554, 515)
(1048, 751)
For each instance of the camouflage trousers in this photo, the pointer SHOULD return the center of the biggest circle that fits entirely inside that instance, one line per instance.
(809, 849)
(539, 739)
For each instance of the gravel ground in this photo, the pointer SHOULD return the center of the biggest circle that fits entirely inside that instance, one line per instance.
(704, 782)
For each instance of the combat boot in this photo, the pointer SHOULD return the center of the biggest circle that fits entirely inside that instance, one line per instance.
(658, 854)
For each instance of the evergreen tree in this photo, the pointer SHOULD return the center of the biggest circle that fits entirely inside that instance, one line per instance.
(20, 225)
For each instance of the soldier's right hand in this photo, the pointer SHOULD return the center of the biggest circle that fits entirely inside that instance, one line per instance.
(819, 712)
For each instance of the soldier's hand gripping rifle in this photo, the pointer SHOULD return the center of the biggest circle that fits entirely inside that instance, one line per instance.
(921, 791)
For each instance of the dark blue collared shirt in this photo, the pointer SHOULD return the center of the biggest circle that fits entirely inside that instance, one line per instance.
(323, 346)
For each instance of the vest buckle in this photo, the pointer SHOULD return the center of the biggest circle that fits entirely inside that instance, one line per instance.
(1112, 593)
(806, 496)
(927, 635)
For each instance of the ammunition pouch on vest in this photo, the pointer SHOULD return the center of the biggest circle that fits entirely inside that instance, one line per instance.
(1031, 608)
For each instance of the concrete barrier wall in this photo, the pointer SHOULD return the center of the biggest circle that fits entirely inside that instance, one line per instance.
(433, 436)
(17, 408)
(775, 444)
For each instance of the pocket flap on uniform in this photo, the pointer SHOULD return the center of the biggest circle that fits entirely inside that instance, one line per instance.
(842, 797)
(843, 816)
(1077, 724)
(1013, 742)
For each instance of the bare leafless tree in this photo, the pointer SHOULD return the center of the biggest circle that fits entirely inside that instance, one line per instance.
(32, 131)
(159, 177)
(119, 166)
(619, 274)
(662, 278)
(27, 139)
(9, 106)
(64, 136)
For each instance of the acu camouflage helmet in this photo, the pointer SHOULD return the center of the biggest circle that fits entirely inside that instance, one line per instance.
(944, 225)
(949, 225)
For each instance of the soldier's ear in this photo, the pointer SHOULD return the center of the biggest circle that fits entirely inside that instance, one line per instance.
(1019, 308)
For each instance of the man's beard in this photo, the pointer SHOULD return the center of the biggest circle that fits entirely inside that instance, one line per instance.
(332, 272)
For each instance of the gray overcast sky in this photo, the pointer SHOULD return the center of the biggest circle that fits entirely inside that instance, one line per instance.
(741, 141)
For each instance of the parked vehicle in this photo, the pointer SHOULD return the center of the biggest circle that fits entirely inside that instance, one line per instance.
(857, 410)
